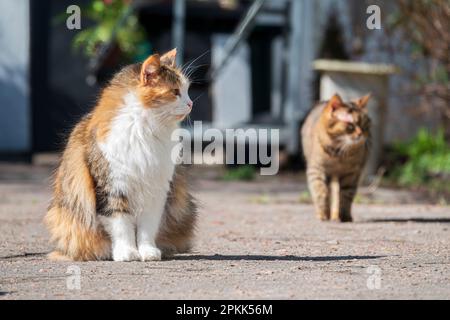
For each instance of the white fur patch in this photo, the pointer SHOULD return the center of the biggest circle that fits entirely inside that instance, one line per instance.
(121, 228)
(344, 116)
(138, 150)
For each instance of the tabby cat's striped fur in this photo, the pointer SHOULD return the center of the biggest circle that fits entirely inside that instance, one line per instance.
(335, 138)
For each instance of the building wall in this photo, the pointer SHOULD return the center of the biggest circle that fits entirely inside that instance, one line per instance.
(14, 65)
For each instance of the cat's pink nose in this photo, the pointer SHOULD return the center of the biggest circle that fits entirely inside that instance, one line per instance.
(190, 104)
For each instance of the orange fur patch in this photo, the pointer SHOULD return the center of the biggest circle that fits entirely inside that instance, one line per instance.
(105, 112)
(74, 240)
(71, 219)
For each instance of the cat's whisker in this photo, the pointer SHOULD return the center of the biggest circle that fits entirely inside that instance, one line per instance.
(199, 81)
(196, 59)
(191, 70)
(198, 97)
(196, 67)
(189, 121)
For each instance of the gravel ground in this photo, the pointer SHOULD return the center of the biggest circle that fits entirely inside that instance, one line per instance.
(256, 240)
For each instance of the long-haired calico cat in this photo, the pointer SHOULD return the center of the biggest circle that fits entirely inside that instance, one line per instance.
(336, 138)
(117, 192)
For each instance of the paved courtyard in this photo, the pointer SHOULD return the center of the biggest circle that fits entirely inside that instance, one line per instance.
(255, 240)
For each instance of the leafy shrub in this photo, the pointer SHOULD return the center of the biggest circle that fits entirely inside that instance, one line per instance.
(427, 158)
(244, 172)
(130, 37)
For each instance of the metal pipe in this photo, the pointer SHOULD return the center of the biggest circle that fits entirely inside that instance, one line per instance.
(293, 74)
(240, 34)
(178, 26)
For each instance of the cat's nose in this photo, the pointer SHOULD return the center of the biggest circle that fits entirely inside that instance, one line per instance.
(190, 104)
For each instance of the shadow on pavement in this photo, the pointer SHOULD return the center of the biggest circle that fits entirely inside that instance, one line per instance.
(24, 255)
(271, 258)
(404, 220)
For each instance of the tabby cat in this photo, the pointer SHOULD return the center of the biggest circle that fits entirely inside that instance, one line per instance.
(117, 192)
(336, 139)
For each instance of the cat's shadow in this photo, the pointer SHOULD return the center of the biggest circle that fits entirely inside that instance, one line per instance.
(405, 220)
(222, 257)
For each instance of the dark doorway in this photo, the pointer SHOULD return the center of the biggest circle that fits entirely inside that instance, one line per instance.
(60, 95)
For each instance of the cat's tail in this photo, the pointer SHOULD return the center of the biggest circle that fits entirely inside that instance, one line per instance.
(71, 218)
(74, 239)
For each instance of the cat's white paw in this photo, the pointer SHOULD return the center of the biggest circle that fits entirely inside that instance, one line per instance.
(149, 253)
(125, 253)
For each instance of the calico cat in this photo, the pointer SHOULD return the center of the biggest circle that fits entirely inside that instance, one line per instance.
(117, 192)
(336, 139)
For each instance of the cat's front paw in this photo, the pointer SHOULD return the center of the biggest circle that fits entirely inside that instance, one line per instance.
(323, 216)
(347, 218)
(125, 253)
(149, 253)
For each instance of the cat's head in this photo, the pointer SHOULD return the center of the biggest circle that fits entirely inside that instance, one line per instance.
(163, 86)
(347, 123)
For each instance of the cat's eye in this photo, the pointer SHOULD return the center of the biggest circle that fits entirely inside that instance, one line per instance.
(350, 128)
(177, 92)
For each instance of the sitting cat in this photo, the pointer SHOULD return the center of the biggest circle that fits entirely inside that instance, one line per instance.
(336, 139)
(117, 192)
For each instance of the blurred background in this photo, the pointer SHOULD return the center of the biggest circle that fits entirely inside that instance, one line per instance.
(254, 64)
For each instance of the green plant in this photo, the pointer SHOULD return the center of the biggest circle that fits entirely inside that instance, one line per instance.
(427, 159)
(130, 36)
(244, 172)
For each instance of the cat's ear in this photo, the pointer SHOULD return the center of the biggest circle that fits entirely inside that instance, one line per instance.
(150, 68)
(169, 58)
(362, 102)
(335, 101)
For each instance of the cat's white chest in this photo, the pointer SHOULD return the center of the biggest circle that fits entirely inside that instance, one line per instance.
(139, 160)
